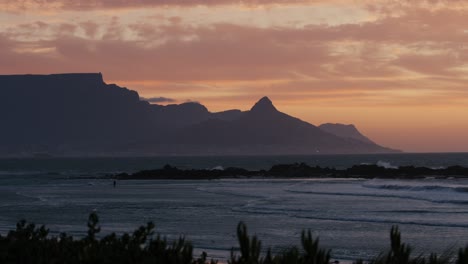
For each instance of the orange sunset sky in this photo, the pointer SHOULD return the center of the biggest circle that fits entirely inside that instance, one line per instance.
(397, 69)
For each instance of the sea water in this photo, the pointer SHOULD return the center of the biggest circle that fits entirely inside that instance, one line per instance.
(352, 217)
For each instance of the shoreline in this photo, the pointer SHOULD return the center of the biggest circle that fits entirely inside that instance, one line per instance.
(296, 171)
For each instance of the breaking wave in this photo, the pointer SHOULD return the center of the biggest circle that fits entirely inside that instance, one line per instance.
(419, 188)
(380, 195)
(303, 214)
(386, 164)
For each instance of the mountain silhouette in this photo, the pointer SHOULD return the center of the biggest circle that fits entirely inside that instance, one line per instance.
(264, 130)
(264, 105)
(345, 131)
(75, 114)
(79, 114)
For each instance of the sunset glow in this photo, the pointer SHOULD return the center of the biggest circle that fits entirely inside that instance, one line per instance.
(397, 69)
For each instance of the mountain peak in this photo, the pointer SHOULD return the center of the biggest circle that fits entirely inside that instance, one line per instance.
(264, 105)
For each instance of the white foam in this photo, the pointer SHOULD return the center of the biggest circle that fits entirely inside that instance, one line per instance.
(218, 168)
(386, 165)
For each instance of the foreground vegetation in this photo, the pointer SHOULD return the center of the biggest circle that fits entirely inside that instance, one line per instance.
(29, 244)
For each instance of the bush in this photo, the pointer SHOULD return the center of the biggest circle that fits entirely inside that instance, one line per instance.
(250, 249)
(29, 244)
(400, 253)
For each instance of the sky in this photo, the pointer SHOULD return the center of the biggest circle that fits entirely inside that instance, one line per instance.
(397, 69)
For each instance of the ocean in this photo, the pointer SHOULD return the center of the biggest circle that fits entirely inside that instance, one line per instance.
(352, 217)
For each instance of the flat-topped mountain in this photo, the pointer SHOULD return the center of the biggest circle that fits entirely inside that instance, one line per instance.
(79, 114)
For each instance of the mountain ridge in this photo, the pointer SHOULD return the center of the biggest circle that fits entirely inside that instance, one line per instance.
(79, 114)
(345, 130)
(264, 105)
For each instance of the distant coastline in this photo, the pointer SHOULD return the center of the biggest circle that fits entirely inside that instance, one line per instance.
(95, 167)
(298, 170)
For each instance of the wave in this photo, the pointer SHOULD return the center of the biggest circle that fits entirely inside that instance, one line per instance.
(378, 195)
(227, 193)
(296, 214)
(418, 188)
(20, 173)
(385, 221)
(386, 164)
(420, 211)
(59, 174)
(438, 167)
(38, 198)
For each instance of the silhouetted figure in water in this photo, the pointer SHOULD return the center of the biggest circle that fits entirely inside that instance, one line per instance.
(115, 183)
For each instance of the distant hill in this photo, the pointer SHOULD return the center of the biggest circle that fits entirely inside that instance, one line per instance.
(265, 130)
(81, 115)
(345, 131)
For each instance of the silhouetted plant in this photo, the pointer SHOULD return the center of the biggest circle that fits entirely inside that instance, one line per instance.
(400, 253)
(93, 226)
(290, 255)
(249, 247)
(28, 244)
(463, 256)
(435, 259)
(312, 252)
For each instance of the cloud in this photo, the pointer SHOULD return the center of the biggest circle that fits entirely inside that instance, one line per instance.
(399, 67)
(90, 28)
(410, 51)
(112, 4)
(434, 64)
(219, 52)
(158, 99)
